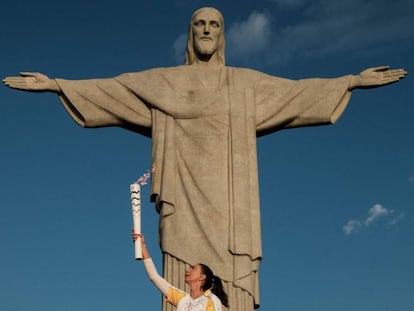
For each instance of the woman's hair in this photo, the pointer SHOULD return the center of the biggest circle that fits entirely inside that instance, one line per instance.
(213, 283)
(190, 53)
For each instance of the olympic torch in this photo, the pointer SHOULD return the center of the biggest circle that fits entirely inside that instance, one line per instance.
(135, 190)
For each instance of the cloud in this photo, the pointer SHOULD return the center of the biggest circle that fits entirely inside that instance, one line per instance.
(352, 226)
(376, 212)
(325, 27)
(179, 47)
(395, 220)
(249, 37)
(315, 28)
(289, 3)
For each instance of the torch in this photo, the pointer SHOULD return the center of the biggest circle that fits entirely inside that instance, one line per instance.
(135, 190)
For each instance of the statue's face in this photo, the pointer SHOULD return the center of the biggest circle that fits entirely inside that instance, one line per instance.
(207, 30)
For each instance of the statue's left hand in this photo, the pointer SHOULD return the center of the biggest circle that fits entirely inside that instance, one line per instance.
(377, 76)
(32, 82)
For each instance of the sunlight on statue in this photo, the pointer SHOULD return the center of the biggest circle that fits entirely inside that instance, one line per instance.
(203, 119)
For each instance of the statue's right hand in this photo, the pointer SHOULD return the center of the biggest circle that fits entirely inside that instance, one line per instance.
(32, 82)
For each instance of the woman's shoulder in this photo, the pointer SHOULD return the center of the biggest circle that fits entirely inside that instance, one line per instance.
(214, 299)
(175, 295)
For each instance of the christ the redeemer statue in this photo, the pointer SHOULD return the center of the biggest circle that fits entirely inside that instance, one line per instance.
(203, 119)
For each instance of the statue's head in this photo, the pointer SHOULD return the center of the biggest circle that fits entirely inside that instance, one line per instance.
(205, 37)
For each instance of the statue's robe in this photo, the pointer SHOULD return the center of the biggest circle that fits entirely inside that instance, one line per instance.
(203, 124)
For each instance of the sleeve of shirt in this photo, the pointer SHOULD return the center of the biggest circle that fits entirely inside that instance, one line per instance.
(155, 278)
(174, 296)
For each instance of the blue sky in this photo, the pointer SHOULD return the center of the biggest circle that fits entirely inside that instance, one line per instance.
(337, 201)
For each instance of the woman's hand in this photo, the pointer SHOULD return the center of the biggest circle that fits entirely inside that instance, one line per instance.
(136, 236)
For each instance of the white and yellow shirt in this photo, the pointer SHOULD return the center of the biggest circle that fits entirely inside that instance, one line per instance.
(179, 298)
(184, 302)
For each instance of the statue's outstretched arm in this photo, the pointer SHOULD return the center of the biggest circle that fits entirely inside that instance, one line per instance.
(376, 77)
(32, 82)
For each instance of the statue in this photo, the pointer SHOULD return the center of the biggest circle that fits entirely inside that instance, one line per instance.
(203, 118)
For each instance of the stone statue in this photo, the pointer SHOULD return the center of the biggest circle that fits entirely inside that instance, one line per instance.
(203, 119)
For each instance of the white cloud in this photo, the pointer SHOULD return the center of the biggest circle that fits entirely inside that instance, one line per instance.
(289, 3)
(317, 28)
(179, 47)
(352, 226)
(248, 37)
(376, 212)
(324, 27)
(394, 221)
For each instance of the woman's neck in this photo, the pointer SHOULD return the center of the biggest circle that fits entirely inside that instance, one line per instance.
(196, 291)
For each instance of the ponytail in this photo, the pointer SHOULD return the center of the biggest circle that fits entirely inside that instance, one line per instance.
(213, 282)
(218, 290)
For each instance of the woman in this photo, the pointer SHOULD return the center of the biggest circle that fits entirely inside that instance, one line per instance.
(206, 289)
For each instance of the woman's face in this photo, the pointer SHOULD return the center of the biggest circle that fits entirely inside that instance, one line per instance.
(194, 274)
